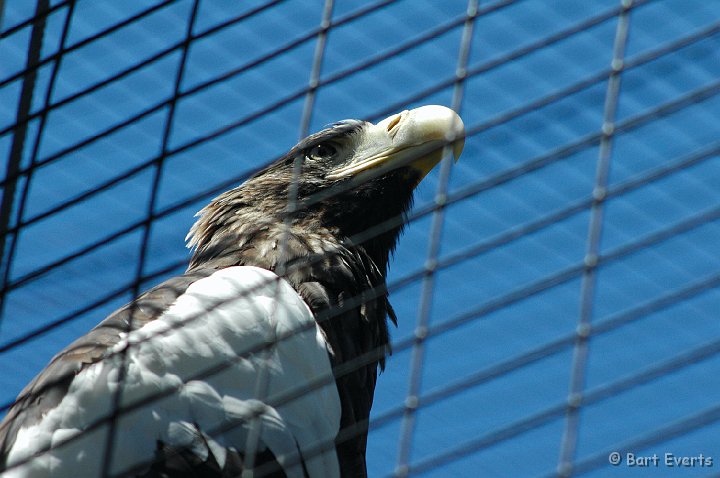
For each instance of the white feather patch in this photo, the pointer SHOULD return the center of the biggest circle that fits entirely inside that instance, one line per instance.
(202, 354)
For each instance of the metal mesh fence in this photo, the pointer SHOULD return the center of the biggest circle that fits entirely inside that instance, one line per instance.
(556, 288)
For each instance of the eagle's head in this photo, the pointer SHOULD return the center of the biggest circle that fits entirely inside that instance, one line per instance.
(354, 179)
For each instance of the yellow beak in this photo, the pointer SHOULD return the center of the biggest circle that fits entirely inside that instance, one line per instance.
(417, 138)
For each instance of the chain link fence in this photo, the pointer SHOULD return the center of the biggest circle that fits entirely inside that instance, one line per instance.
(557, 288)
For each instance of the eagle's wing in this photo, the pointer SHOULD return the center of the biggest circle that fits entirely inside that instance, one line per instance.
(211, 355)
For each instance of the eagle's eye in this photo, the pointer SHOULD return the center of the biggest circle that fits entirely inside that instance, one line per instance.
(321, 151)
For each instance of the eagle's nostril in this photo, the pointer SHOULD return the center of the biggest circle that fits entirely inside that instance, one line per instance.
(394, 122)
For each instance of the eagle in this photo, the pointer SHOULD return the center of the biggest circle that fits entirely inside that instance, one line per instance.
(262, 358)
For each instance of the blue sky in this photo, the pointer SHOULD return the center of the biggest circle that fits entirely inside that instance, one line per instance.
(507, 299)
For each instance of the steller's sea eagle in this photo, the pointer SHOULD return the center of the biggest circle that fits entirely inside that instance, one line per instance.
(261, 360)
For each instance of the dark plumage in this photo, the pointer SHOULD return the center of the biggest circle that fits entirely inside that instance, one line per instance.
(351, 193)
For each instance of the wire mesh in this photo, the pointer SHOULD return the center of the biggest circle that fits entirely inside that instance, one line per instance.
(556, 288)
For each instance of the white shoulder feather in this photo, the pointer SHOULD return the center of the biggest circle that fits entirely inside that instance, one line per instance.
(208, 359)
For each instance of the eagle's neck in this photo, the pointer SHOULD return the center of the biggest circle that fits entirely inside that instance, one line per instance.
(247, 227)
